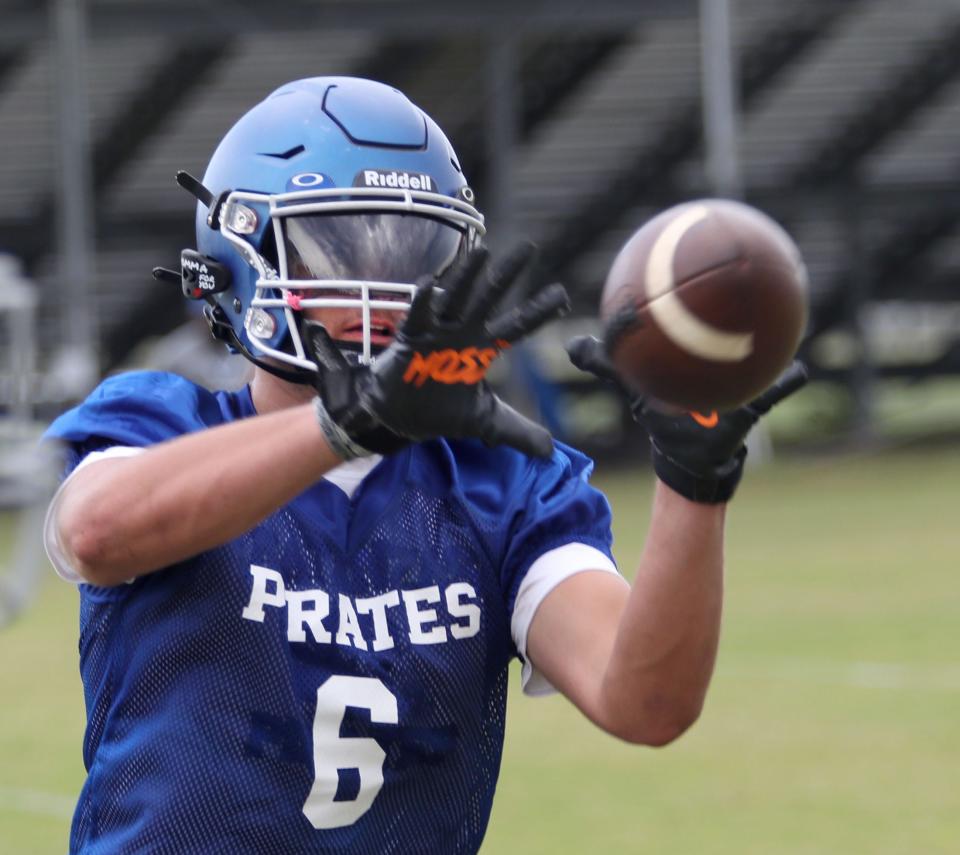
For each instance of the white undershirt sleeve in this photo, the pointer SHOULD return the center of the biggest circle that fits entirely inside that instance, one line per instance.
(51, 543)
(548, 571)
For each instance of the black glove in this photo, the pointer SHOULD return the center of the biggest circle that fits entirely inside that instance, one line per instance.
(336, 382)
(701, 457)
(430, 381)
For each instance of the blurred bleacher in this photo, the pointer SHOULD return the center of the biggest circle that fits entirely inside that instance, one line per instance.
(849, 135)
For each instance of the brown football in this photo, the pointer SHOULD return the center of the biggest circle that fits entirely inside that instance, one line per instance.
(705, 305)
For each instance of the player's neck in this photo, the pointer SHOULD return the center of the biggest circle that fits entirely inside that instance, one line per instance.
(270, 393)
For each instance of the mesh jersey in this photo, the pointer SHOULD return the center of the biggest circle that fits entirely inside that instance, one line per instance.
(335, 679)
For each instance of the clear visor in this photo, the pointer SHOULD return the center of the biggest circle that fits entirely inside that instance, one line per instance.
(371, 248)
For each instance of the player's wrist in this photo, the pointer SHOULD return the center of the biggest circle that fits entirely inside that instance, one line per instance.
(705, 485)
(339, 440)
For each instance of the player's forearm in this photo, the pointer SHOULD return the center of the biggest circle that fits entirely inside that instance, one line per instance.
(124, 518)
(663, 656)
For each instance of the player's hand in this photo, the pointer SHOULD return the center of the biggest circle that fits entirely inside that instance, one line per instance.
(336, 382)
(430, 381)
(700, 455)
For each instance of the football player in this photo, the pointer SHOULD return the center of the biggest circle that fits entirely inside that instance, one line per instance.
(298, 601)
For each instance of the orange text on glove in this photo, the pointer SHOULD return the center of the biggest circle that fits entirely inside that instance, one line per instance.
(467, 366)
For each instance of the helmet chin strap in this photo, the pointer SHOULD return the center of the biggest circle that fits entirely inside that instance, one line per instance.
(222, 330)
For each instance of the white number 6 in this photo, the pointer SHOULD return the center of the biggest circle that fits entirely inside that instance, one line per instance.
(332, 751)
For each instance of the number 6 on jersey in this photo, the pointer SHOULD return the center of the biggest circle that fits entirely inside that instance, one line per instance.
(332, 752)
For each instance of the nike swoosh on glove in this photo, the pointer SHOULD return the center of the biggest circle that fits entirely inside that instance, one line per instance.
(699, 455)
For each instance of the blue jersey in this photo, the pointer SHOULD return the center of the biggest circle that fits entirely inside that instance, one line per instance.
(335, 679)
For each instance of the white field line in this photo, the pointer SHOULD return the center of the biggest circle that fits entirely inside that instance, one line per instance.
(862, 675)
(38, 802)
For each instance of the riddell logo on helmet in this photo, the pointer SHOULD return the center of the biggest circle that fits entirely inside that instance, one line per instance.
(394, 179)
(467, 366)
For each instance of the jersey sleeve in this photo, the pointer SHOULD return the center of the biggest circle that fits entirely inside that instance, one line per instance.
(123, 415)
(560, 527)
(137, 409)
(51, 539)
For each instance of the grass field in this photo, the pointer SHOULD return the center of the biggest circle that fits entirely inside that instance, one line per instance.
(831, 727)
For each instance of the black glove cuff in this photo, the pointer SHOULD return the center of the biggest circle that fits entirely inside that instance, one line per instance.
(711, 489)
(340, 442)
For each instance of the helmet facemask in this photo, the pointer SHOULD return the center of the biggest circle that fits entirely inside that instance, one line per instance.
(360, 249)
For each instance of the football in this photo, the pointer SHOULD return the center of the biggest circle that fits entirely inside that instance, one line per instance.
(705, 305)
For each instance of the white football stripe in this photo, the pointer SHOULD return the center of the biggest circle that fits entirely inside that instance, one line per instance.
(678, 323)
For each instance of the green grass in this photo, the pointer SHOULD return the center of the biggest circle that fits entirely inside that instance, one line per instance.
(41, 722)
(831, 725)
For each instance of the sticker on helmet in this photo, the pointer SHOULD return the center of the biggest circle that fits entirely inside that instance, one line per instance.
(394, 178)
(309, 181)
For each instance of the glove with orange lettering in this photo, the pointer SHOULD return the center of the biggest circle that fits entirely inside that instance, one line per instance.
(430, 381)
(337, 401)
(700, 456)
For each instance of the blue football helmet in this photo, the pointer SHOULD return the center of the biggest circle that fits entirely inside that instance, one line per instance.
(333, 192)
